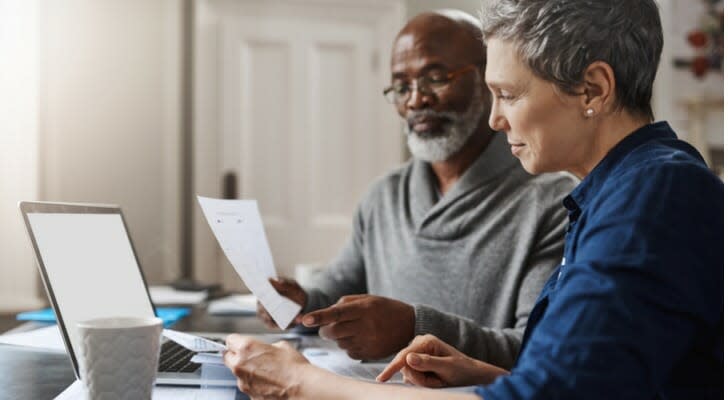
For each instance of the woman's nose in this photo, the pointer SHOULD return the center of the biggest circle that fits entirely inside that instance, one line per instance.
(496, 120)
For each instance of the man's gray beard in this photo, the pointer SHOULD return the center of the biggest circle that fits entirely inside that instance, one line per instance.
(440, 146)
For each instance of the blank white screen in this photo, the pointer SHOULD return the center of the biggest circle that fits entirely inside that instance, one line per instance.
(91, 268)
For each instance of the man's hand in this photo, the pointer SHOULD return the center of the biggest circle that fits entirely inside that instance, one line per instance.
(430, 362)
(286, 288)
(367, 327)
(263, 370)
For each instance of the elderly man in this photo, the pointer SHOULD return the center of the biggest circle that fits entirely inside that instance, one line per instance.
(459, 241)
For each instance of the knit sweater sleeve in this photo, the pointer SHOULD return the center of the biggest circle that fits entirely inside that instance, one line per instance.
(501, 346)
(496, 346)
(344, 276)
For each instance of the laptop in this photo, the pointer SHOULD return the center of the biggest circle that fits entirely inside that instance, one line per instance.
(90, 270)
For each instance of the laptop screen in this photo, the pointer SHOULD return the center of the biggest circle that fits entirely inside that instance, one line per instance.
(90, 268)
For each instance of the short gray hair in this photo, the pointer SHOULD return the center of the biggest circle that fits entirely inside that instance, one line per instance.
(559, 39)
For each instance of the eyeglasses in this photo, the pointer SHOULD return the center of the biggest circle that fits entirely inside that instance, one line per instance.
(433, 82)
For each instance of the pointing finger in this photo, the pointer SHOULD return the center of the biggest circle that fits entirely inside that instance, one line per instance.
(397, 363)
(335, 313)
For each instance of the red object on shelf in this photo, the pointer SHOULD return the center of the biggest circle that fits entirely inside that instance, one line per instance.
(698, 38)
(700, 66)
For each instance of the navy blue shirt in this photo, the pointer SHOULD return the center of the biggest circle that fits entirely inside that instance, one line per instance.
(636, 309)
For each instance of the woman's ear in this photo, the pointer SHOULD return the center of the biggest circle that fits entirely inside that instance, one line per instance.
(598, 89)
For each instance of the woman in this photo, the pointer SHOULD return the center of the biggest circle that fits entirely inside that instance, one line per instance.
(636, 309)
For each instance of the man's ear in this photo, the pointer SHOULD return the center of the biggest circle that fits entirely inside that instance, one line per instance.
(598, 88)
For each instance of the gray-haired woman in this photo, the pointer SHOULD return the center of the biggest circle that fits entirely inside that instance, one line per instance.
(636, 309)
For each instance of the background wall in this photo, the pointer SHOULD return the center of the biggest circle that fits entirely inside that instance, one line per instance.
(415, 7)
(110, 116)
(680, 85)
(90, 111)
(19, 111)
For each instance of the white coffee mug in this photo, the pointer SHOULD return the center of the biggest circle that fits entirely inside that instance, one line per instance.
(119, 357)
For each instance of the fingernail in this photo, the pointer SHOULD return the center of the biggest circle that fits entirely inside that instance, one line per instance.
(413, 359)
(309, 320)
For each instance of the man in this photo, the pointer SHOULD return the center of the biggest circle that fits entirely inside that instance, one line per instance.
(459, 241)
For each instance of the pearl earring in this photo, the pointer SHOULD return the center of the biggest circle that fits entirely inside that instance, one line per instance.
(589, 112)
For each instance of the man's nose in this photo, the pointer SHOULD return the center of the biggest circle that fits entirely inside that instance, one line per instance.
(418, 100)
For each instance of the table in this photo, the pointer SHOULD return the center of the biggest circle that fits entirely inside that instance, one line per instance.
(38, 375)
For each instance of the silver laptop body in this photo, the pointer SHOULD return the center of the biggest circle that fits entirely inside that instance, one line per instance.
(89, 269)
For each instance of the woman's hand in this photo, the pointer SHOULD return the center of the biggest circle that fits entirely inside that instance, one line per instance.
(430, 362)
(265, 371)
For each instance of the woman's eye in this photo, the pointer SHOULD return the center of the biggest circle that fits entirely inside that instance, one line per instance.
(504, 95)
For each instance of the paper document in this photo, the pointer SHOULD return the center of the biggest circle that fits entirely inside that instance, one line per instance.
(338, 362)
(239, 230)
(48, 338)
(192, 342)
(237, 304)
(208, 358)
(335, 361)
(163, 295)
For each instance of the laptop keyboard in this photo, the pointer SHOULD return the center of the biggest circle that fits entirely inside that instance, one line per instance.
(175, 358)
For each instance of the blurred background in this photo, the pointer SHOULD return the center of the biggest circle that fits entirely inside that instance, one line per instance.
(146, 103)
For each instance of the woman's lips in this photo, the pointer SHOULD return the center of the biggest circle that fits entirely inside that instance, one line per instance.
(516, 147)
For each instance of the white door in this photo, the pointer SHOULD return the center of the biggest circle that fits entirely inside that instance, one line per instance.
(289, 107)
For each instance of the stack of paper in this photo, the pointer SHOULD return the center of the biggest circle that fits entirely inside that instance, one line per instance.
(237, 304)
(166, 295)
(47, 338)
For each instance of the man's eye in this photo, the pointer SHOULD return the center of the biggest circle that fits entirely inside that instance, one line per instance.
(437, 78)
(401, 88)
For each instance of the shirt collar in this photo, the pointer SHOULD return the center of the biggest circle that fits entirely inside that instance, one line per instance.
(580, 196)
(423, 185)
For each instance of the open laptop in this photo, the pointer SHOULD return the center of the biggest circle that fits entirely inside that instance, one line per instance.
(90, 270)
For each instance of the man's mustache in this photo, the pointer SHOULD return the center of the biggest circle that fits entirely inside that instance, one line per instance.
(414, 117)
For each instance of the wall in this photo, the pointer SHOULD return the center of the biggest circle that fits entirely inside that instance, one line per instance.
(94, 117)
(415, 7)
(111, 116)
(19, 111)
(679, 18)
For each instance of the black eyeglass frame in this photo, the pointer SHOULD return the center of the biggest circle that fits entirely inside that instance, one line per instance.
(425, 87)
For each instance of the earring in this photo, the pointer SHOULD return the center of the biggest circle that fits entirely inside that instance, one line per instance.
(589, 112)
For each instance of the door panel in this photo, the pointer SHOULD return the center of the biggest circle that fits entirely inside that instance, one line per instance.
(299, 120)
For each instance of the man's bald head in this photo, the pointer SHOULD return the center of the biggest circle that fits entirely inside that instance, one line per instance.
(453, 31)
(438, 63)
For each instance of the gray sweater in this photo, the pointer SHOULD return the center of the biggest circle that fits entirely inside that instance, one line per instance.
(471, 263)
